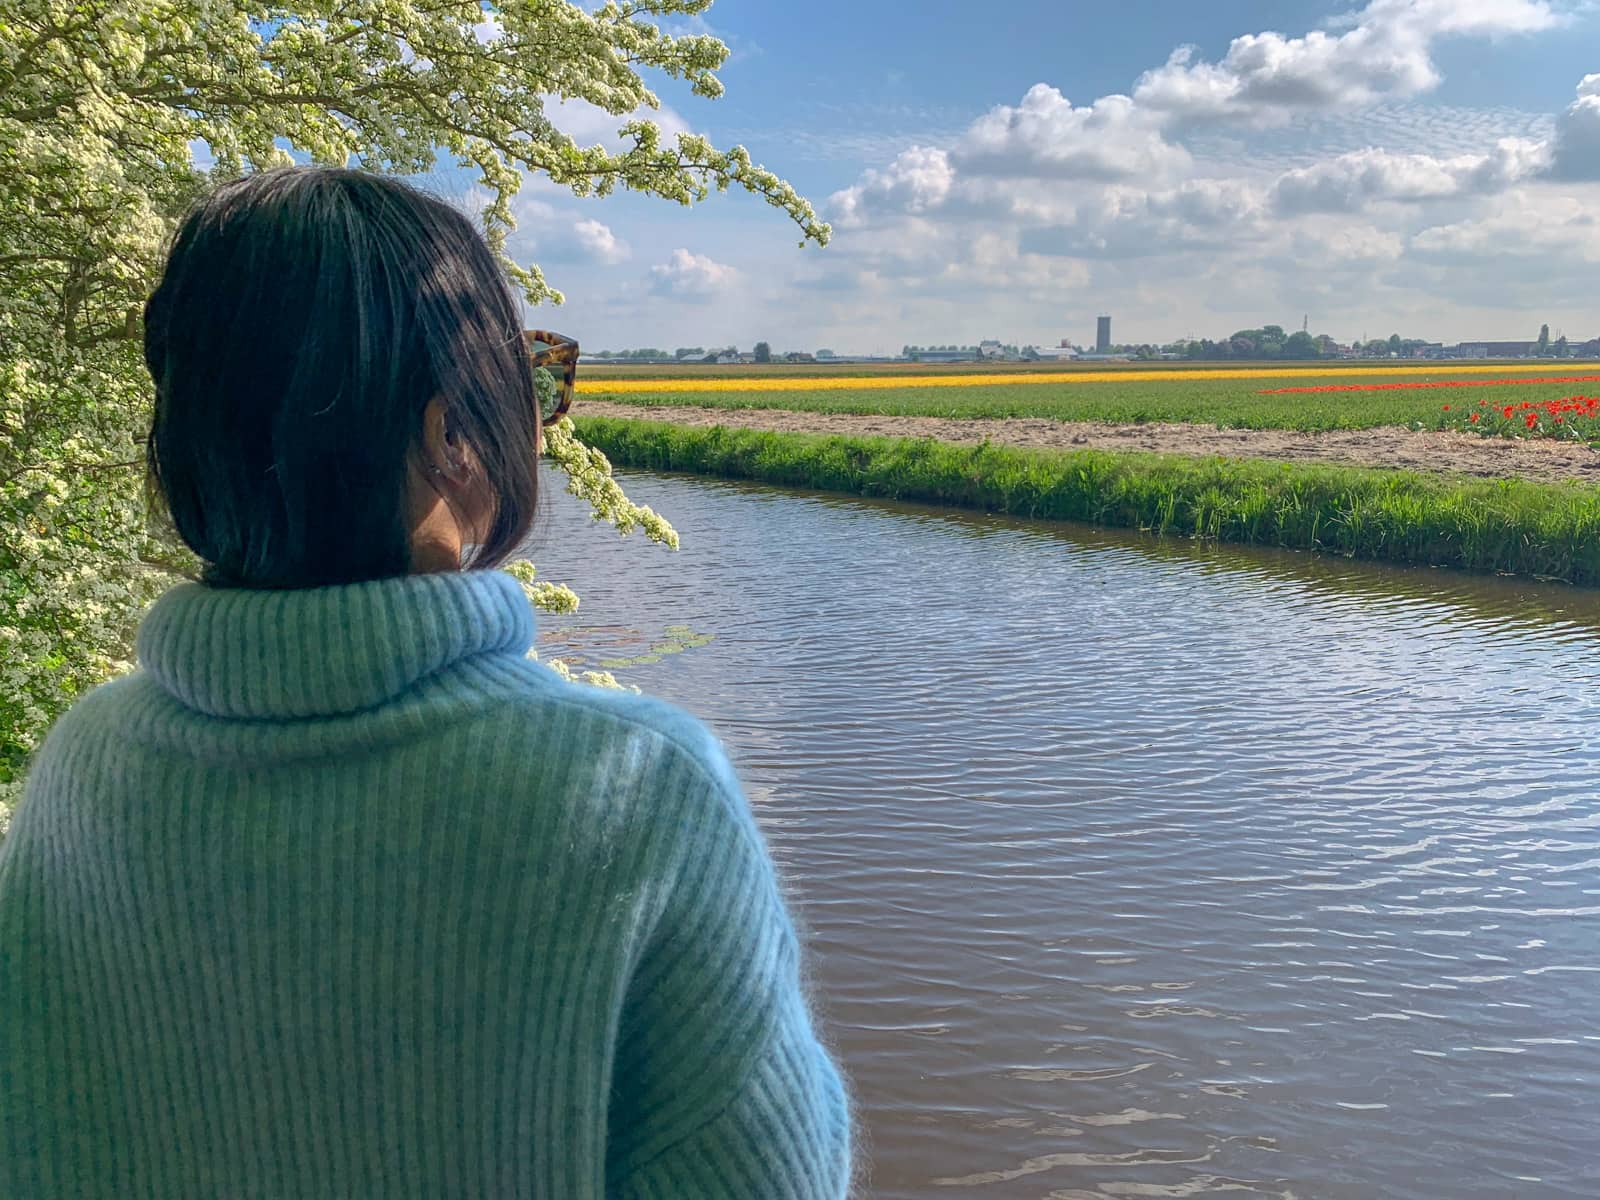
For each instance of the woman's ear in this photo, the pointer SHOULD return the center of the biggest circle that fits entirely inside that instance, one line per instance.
(441, 449)
(453, 474)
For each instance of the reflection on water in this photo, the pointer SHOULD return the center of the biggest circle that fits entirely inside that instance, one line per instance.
(1138, 868)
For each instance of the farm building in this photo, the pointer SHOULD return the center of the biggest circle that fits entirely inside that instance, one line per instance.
(1497, 349)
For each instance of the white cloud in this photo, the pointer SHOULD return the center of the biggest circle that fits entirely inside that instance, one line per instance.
(597, 241)
(917, 180)
(536, 220)
(554, 235)
(530, 211)
(1265, 77)
(1349, 182)
(589, 124)
(1294, 175)
(1480, 18)
(1552, 232)
(1210, 203)
(1532, 256)
(1046, 136)
(1336, 244)
(585, 123)
(1417, 126)
(1382, 53)
(488, 30)
(1128, 222)
(1576, 147)
(691, 276)
(1128, 157)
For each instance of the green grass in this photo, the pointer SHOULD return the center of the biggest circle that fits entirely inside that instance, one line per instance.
(1549, 531)
(1226, 403)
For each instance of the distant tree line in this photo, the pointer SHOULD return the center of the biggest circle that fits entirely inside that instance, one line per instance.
(1268, 342)
(913, 351)
(1271, 342)
(763, 353)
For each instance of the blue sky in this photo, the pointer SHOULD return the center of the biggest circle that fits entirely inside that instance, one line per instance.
(1430, 167)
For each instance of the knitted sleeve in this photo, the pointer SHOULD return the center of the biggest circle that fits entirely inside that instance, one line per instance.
(721, 1088)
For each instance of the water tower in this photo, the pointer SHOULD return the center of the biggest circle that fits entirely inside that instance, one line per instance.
(1102, 336)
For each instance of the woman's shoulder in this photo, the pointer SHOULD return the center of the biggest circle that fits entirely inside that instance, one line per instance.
(632, 761)
(626, 729)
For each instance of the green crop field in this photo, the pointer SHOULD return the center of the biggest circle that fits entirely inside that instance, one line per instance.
(621, 369)
(1192, 396)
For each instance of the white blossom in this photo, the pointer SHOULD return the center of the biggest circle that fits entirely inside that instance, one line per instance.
(102, 106)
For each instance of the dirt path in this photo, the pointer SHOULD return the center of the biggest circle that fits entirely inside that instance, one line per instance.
(1391, 446)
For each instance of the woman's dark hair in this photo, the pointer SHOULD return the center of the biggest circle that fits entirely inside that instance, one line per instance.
(305, 318)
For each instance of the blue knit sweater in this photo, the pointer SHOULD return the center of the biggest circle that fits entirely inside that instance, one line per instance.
(342, 896)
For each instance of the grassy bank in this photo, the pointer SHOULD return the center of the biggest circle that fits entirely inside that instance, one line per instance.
(1543, 530)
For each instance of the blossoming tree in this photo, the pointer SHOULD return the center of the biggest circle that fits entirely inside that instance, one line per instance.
(103, 106)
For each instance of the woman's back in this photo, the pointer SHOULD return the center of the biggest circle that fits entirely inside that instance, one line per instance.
(341, 895)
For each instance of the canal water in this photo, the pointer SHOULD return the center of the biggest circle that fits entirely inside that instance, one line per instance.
(1141, 868)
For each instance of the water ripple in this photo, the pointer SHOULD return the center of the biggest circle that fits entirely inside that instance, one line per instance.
(1144, 868)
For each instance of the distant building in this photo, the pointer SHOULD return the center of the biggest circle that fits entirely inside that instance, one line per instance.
(1102, 336)
(1053, 353)
(946, 355)
(799, 356)
(1497, 349)
(989, 348)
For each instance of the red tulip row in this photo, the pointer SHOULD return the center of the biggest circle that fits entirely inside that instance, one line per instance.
(1439, 383)
(1575, 417)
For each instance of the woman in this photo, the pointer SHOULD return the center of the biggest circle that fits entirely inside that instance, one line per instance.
(340, 895)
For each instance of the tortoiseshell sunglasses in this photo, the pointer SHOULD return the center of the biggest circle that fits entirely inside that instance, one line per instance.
(557, 355)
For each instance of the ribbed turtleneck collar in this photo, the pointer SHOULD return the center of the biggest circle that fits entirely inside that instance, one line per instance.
(296, 653)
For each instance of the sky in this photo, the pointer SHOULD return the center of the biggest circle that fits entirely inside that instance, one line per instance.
(1422, 167)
